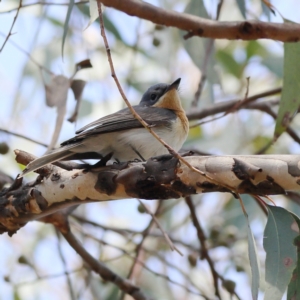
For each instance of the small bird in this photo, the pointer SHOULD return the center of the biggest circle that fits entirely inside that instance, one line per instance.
(122, 135)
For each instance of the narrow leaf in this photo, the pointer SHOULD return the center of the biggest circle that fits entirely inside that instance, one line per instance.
(77, 87)
(84, 64)
(66, 25)
(94, 14)
(201, 50)
(290, 97)
(281, 252)
(56, 95)
(293, 292)
(242, 7)
(254, 262)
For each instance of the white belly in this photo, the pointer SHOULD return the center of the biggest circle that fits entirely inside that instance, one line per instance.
(122, 142)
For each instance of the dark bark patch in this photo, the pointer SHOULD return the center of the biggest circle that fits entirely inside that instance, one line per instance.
(162, 168)
(246, 28)
(55, 177)
(208, 187)
(243, 170)
(40, 200)
(263, 188)
(293, 168)
(106, 183)
(184, 189)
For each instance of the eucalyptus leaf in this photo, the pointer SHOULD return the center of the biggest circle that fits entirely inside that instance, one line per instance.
(94, 14)
(293, 292)
(66, 25)
(281, 252)
(290, 96)
(254, 262)
(242, 7)
(201, 50)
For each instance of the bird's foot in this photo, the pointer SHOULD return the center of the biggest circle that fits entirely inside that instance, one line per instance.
(101, 163)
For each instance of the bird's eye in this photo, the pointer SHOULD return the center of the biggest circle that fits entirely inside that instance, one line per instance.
(152, 96)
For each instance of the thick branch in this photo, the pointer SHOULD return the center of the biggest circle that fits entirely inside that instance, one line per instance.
(246, 30)
(163, 177)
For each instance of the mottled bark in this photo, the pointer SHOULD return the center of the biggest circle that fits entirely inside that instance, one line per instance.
(162, 178)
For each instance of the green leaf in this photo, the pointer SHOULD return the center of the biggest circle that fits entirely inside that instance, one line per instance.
(201, 50)
(242, 7)
(66, 25)
(266, 10)
(281, 252)
(254, 262)
(274, 63)
(230, 63)
(86, 108)
(293, 291)
(94, 14)
(255, 48)
(290, 96)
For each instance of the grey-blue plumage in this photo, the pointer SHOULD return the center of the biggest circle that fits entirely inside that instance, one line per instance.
(123, 135)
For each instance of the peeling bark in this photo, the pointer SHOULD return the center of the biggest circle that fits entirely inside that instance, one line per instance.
(162, 177)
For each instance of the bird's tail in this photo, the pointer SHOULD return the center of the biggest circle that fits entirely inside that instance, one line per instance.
(53, 156)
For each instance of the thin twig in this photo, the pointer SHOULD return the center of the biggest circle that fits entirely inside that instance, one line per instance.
(243, 102)
(202, 239)
(226, 106)
(28, 55)
(102, 270)
(209, 47)
(47, 277)
(168, 240)
(12, 26)
(23, 137)
(42, 3)
(71, 290)
(149, 269)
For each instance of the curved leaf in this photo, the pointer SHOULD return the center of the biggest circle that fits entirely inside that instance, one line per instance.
(66, 25)
(281, 252)
(290, 97)
(201, 50)
(254, 262)
(242, 7)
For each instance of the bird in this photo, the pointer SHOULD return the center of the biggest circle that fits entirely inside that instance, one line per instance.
(122, 136)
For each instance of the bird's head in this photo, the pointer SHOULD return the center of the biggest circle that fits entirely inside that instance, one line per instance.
(162, 95)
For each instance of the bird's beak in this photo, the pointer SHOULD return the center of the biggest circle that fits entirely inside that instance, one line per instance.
(174, 85)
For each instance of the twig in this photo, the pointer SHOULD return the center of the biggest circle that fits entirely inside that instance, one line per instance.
(23, 137)
(149, 269)
(172, 246)
(12, 26)
(47, 277)
(202, 239)
(138, 248)
(208, 52)
(126, 231)
(71, 290)
(28, 55)
(43, 3)
(243, 102)
(245, 30)
(226, 106)
(101, 269)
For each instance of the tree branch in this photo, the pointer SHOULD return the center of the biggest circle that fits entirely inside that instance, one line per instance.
(162, 177)
(246, 30)
(97, 266)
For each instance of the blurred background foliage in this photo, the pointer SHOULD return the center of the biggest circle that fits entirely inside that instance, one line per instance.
(35, 263)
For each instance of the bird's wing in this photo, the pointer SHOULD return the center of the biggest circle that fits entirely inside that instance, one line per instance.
(123, 120)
